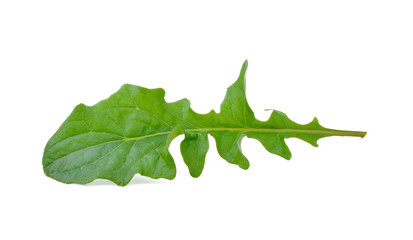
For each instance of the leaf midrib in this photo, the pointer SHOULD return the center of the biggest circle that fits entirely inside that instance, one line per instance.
(264, 130)
(242, 130)
(283, 130)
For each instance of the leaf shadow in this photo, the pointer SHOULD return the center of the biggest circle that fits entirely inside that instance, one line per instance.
(136, 180)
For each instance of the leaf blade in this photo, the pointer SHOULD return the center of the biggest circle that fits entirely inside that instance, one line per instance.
(194, 149)
(130, 133)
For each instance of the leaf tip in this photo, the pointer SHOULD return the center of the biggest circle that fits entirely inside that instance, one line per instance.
(160, 91)
(195, 174)
(244, 68)
(80, 106)
(245, 63)
(245, 165)
(126, 85)
(315, 144)
(240, 83)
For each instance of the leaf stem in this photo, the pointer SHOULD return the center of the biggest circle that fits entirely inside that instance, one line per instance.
(268, 130)
(327, 132)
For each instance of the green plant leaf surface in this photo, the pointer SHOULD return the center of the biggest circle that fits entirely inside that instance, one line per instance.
(130, 132)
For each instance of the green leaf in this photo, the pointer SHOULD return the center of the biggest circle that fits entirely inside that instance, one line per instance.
(130, 132)
(194, 149)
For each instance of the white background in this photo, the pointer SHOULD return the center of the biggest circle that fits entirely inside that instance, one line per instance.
(347, 62)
